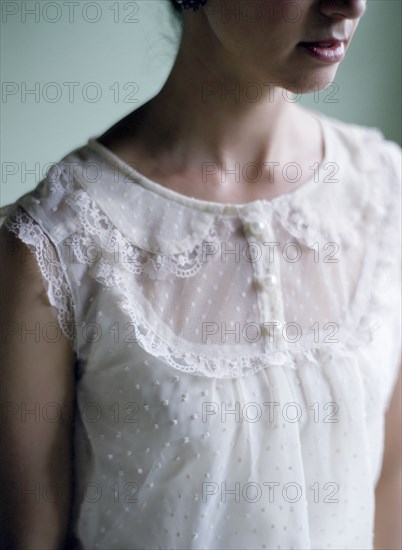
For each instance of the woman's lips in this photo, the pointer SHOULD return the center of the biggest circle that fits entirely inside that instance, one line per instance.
(328, 52)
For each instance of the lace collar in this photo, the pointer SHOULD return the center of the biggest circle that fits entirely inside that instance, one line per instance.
(160, 220)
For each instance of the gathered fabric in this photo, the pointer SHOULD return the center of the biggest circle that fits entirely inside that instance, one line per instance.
(235, 361)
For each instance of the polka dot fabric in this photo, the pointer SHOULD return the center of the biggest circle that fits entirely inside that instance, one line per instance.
(235, 362)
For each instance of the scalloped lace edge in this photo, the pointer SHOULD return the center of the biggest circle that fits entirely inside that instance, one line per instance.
(57, 289)
(107, 273)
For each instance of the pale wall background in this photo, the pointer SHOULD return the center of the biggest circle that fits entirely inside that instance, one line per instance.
(136, 44)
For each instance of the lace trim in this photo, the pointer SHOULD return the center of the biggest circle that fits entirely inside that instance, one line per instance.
(302, 221)
(57, 289)
(95, 223)
(115, 246)
(224, 366)
(61, 179)
(112, 274)
(295, 223)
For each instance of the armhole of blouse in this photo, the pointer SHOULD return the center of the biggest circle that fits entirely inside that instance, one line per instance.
(15, 218)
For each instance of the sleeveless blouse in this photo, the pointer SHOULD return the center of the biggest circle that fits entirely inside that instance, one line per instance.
(234, 362)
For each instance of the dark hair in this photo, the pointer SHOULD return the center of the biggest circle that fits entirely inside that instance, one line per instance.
(176, 7)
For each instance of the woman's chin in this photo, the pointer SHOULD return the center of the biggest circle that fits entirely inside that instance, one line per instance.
(311, 83)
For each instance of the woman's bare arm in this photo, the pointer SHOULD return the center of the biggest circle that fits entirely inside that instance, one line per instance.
(36, 436)
(388, 516)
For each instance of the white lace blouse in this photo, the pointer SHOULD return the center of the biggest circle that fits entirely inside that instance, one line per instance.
(234, 362)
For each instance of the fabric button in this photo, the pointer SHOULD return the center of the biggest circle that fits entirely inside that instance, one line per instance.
(272, 279)
(166, 293)
(255, 228)
(266, 280)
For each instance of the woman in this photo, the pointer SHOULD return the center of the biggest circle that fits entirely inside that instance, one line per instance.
(222, 266)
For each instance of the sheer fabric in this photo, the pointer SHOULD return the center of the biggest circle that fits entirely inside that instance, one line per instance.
(235, 361)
